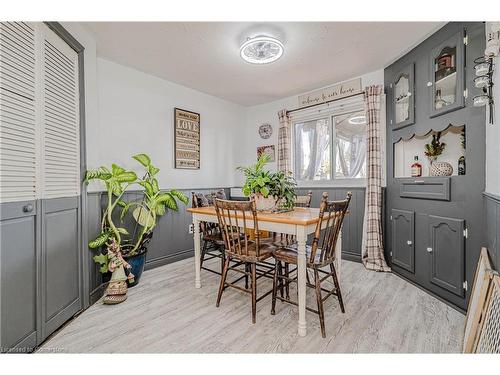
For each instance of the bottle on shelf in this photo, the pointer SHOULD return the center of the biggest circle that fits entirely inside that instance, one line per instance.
(461, 165)
(416, 168)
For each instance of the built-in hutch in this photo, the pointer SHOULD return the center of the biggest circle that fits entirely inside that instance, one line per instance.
(434, 223)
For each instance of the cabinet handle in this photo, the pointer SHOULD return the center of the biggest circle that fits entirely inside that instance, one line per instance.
(409, 242)
(419, 181)
(429, 84)
(429, 249)
(28, 208)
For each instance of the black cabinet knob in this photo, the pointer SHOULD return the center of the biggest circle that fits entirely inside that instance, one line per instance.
(28, 208)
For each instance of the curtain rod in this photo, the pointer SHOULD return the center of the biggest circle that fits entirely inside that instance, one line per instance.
(327, 102)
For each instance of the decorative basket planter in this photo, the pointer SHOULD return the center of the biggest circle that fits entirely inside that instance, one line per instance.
(441, 168)
(265, 204)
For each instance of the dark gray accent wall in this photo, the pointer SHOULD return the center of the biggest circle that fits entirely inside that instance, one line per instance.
(492, 240)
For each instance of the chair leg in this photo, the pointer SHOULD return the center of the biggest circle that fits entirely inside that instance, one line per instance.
(247, 271)
(203, 252)
(319, 299)
(337, 287)
(222, 281)
(275, 287)
(254, 292)
(222, 259)
(287, 284)
(280, 280)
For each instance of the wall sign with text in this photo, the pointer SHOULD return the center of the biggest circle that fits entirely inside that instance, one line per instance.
(186, 139)
(334, 92)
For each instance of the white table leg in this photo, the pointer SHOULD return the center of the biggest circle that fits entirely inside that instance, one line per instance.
(338, 255)
(197, 252)
(301, 279)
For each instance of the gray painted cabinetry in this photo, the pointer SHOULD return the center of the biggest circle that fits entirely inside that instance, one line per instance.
(442, 217)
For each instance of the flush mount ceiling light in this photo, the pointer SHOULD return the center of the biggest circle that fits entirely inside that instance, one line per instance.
(357, 120)
(261, 50)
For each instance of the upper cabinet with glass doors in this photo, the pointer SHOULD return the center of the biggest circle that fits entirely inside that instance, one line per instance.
(446, 82)
(404, 97)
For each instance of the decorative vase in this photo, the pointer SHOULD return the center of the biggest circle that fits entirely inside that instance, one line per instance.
(441, 168)
(265, 204)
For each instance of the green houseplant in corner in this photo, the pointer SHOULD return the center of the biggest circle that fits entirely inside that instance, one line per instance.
(271, 191)
(131, 244)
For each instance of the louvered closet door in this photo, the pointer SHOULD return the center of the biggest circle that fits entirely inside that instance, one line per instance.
(18, 186)
(60, 171)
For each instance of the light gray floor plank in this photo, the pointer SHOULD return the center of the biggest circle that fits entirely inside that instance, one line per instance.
(166, 314)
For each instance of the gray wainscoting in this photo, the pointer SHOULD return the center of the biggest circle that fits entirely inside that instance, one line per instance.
(492, 209)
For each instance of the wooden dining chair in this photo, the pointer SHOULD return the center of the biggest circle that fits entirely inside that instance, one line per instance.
(213, 243)
(304, 200)
(320, 254)
(234, 217)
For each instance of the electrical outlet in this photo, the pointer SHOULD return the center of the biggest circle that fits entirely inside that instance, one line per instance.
(191, 228)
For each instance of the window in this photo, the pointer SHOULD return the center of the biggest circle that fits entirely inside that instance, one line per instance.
(330, 147)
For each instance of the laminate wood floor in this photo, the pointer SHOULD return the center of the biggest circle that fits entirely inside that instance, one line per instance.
(166, 314)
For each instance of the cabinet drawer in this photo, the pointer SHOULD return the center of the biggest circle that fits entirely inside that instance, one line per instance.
(436, 188)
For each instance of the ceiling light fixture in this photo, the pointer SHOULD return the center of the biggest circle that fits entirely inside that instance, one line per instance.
(357, 120)
(261, 50)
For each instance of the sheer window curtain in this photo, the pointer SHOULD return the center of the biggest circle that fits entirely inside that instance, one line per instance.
(372, 245)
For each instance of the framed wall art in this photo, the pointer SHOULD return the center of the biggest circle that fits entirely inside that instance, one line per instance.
(269, 150)
(186, 139)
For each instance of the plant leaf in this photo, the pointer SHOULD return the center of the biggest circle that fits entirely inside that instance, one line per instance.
(160, 210)
(127, 176)
(121, 203)
(100, 240)
(116, 170)
(143, 217)
(122, 231)
(180, 196)
(168, 200)
(102, 259)
(153, 171)
(143, 159)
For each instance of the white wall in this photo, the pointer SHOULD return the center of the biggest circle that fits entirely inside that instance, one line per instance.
(249, 139)
(493, 137)
(137, 115)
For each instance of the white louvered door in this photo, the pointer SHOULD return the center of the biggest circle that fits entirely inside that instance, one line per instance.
(60, 102)
(39, 105)
(19, 151)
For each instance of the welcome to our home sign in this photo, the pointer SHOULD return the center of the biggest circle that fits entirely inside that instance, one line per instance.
(334, 92)
(187, 139)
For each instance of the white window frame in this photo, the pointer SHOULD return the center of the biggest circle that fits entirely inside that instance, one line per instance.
(330, 110)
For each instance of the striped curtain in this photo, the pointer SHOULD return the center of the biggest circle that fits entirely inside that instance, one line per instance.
(372, 246)
(284, 162)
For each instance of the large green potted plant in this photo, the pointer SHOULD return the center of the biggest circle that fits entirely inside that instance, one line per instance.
(270, 190)
(145, 211)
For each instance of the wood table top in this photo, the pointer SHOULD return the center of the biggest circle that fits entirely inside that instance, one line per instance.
(299, 215)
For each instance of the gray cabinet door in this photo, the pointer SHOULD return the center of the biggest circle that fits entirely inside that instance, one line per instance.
(446, 75)
(61, 259)
(446, 249)
(403, 239)
(18, 275)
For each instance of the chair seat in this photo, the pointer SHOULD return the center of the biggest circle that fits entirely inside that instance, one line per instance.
(266, 251)
(216, 236)
(289, 254)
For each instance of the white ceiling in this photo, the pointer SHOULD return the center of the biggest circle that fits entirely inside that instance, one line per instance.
(205, 55)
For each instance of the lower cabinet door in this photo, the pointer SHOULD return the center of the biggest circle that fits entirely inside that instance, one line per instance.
(403, 239)
(446, 249)
(18, 276)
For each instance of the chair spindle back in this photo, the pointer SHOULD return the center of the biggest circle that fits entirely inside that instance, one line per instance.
(233, 216)
(333, 212)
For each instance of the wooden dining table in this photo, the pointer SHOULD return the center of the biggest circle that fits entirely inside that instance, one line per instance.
(300, 222)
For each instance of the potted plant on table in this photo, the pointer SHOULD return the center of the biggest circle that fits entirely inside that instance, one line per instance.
(125, 253)
(271, 191)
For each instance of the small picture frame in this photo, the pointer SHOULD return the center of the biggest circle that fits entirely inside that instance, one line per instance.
(186, 139)
(269, 150)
